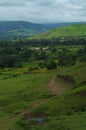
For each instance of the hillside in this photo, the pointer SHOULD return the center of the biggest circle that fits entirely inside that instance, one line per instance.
(23, 29)
(68, 31)
(28, 100)
(42, 94)
(19, 29)
(63, 112)
(43, 80)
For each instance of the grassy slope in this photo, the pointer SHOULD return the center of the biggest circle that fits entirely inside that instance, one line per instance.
(19, 93)
(19, 29)
(73, 30)
(80, 76)
(64, 112)
(78, 71)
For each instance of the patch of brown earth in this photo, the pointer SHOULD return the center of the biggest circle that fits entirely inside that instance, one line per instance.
(31, 115)
(55, 88)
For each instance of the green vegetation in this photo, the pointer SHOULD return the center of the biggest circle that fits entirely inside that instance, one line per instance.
(22, 29)
(43, 83)
(19, 29)
(67, 111)
(73, 30)
(69, 35)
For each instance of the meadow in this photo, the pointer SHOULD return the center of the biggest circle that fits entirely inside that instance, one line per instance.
(23, 93)
(19, 92)
(44, 88)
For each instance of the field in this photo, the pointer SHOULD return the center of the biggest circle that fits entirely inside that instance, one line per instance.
(72, 30)
(43, 82)
(21, 93)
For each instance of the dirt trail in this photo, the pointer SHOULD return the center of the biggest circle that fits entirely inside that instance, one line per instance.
(55, 88)
(6, 123)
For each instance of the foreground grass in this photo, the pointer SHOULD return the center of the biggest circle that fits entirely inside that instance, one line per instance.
(63, 112)
(71, 122)
(18, 93)
(78, 72)
(25, 94)
(66, 112)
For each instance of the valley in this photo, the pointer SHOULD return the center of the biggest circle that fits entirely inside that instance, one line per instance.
(10, 30)
(43, 81)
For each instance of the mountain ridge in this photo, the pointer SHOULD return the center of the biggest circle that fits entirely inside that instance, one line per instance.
(67, 31)
(23, 29)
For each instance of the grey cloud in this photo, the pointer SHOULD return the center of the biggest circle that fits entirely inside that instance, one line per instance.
(12, 3)
(43, 10)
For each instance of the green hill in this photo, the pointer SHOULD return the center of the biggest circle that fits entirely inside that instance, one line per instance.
(63, 112)
(19, 29)
(43, 83)
(70, 31)
(23, 29)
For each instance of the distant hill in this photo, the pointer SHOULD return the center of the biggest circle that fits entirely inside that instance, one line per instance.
(19, 29)
(70, 31)
(22, 29)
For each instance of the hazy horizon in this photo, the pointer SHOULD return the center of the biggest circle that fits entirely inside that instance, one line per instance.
(40, 22)
(36, 11)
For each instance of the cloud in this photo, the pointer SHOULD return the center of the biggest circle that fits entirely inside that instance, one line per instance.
(41, 11)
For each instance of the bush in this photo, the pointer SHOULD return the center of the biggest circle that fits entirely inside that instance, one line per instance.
(51, 65)
(66, 59)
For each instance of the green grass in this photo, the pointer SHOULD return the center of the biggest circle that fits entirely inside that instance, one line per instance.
(23, 88)
(72, 30)
(65, 104)
(18, 93)
(78, 71)
(63, 112)
(66, 112)
(73, 122)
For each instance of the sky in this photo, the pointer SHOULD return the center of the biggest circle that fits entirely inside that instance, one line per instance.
(43, 11)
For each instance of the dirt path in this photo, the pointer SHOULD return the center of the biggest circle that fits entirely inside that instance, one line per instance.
(55, 88)
(6, 123)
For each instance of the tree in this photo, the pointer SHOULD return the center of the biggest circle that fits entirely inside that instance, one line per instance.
(51, 65)
(66, 59)
(42, 55)
(81, 54)
(7, 61)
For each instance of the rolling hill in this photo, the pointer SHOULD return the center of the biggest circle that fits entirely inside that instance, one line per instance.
(68, 31)
(19, 29)
(34, 97)
(23, 29)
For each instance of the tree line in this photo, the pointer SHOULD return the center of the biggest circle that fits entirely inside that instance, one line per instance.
(13, 53)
